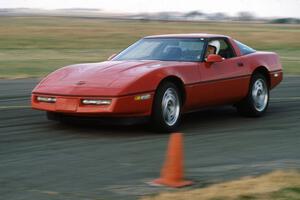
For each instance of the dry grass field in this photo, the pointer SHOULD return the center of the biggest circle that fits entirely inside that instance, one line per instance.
(278, 185)
(35, 46)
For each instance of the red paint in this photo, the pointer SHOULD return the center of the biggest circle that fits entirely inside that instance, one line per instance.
(214, 58)
(205, 83)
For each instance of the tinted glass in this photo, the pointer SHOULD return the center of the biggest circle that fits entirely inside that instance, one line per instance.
(164, 49)
(244, 48)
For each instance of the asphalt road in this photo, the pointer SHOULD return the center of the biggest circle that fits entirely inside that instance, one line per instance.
(40, 159)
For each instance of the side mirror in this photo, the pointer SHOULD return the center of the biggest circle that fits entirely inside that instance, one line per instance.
(212, 58)
(112, 56)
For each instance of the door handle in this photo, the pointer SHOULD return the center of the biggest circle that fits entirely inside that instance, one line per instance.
(240, 64)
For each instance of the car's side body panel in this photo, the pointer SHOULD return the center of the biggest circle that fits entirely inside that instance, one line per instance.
(221, 82)
(269, 61)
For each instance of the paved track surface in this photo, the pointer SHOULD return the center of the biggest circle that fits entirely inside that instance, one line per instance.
(40, 159)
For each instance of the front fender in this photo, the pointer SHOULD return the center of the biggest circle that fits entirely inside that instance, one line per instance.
(149, 82)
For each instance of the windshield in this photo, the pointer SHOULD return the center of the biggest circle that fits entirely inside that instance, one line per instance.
(164, 49)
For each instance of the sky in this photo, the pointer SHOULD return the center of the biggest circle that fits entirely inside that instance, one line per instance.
(261, 8)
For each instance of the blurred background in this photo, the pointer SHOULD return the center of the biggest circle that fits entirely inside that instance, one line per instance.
(38, 36)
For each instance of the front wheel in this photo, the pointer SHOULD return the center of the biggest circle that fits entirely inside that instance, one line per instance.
(166, 111)
(257, 100)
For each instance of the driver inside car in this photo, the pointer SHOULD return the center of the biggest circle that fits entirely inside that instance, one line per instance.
(212, 48)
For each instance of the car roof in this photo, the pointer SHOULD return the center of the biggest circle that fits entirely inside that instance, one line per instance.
(189, 35)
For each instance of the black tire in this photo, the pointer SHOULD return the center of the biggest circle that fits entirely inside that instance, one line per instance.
(248, 107)
(158, 121)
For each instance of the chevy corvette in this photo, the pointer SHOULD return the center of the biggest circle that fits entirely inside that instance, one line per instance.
(161, 77)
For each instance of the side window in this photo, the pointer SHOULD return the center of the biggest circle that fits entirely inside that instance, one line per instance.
(223, 48)
(244, 48)
(226, 50)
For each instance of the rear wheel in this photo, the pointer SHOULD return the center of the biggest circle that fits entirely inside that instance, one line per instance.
(257, 100)
(166, 111)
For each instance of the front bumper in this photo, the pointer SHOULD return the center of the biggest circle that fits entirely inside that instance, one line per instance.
(72, 105)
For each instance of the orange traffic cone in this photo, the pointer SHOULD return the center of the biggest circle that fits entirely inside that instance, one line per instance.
(172, 171)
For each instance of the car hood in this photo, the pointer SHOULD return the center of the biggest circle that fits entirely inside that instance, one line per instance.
(107, 77)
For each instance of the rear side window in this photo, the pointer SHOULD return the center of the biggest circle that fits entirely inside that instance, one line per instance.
(244, 48)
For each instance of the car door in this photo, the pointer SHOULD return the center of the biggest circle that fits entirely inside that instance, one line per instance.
(226, 81)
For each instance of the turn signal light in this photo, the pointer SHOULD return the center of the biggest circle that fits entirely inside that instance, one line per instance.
(142, 97)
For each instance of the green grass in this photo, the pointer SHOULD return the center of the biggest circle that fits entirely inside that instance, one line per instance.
(288, 193)
(35, 46)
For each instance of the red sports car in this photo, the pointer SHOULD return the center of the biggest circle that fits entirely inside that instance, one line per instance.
(161, 77)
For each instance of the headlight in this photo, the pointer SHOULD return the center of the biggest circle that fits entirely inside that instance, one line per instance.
(96, 101)
(46, 99)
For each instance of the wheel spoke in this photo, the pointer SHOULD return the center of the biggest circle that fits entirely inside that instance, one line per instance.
(170, 106)
(260, 94)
